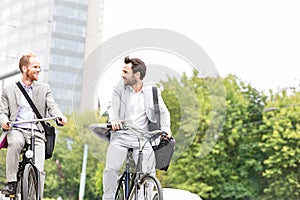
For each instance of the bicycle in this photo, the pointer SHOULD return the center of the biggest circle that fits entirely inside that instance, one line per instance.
(28, 176)
(133, 184)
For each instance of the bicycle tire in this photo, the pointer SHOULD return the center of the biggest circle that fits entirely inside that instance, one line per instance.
(148, 189)
(29, 183)
(120, 193)
(18, 191)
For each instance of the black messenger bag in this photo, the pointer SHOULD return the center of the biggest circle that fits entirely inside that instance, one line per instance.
(50, 136)
(166, 147)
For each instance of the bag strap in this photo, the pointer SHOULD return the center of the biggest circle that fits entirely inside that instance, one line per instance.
(156, 106)
(35, 110)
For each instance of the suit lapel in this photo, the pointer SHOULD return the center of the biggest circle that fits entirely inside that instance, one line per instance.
(18, 94)
(35, 93)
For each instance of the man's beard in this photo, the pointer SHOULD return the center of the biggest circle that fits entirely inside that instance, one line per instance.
(130, 82)
(31, 76)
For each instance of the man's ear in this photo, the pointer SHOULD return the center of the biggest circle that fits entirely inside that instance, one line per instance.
(24, 68)
(138, 75)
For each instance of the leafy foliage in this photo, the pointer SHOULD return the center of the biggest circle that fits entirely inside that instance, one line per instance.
(237, 144)
(233, 168)
(2, 166)
(281, 143)
(64, 169)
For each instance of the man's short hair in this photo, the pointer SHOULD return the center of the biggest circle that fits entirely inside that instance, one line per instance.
(137, 66)
(25, 60)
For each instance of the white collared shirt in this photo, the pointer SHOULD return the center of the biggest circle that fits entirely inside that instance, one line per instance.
(25, 111)
(135, 111)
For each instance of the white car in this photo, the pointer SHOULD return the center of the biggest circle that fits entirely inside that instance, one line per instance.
(178, 194)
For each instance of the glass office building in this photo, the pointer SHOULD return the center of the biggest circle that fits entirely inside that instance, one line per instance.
(55, 30)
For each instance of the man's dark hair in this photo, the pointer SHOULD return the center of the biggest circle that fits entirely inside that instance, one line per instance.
(137, 66)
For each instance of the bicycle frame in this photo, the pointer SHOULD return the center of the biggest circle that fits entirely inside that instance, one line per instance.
(127, 174)
(138, 174)
(130, 180)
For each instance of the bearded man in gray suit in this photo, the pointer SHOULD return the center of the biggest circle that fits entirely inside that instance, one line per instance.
(15, 107)
(132, 104)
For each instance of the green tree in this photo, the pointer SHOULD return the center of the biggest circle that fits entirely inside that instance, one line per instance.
(232, 169)
(237, 153)
(2, 166)
(64, 168)
(281, 145)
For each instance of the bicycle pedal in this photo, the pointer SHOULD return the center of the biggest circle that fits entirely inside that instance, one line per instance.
(10, 195)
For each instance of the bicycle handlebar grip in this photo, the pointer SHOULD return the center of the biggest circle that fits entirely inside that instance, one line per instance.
(109, 126)
(59, 119)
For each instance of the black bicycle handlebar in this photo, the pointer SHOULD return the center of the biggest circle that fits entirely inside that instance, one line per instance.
(122, 126)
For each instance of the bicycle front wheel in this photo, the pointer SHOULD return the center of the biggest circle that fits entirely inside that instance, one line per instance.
(148, 189)
(18, 190)
(29, 184)
(120, 194)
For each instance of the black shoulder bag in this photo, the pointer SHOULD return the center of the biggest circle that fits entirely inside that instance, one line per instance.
(166, 147)
(49, 130)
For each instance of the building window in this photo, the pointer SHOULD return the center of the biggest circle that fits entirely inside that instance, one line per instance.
(64, 77)
(43, 12)
(64, 44)
(70, 13)
(73, 62)
(70, 29)
(66, 94)
(83, 2)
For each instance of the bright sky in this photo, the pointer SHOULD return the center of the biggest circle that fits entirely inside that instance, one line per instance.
(257, 40)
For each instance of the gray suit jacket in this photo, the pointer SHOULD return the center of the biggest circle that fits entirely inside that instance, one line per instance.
(120, 96)
(42, 98)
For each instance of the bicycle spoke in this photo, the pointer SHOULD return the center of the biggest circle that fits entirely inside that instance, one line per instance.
(32, 186)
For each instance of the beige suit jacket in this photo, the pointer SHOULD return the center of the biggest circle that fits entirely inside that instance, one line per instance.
(42, 98)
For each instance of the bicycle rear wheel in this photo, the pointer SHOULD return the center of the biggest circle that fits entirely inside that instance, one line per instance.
(29, 184)
(148, 189)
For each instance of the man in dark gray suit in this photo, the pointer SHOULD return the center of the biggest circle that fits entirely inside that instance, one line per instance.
(132, 104)
(14, 107)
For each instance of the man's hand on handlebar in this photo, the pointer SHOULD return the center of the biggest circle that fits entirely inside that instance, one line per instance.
(116, 125)
(166, 135)
(6, 126)
(61, 121)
